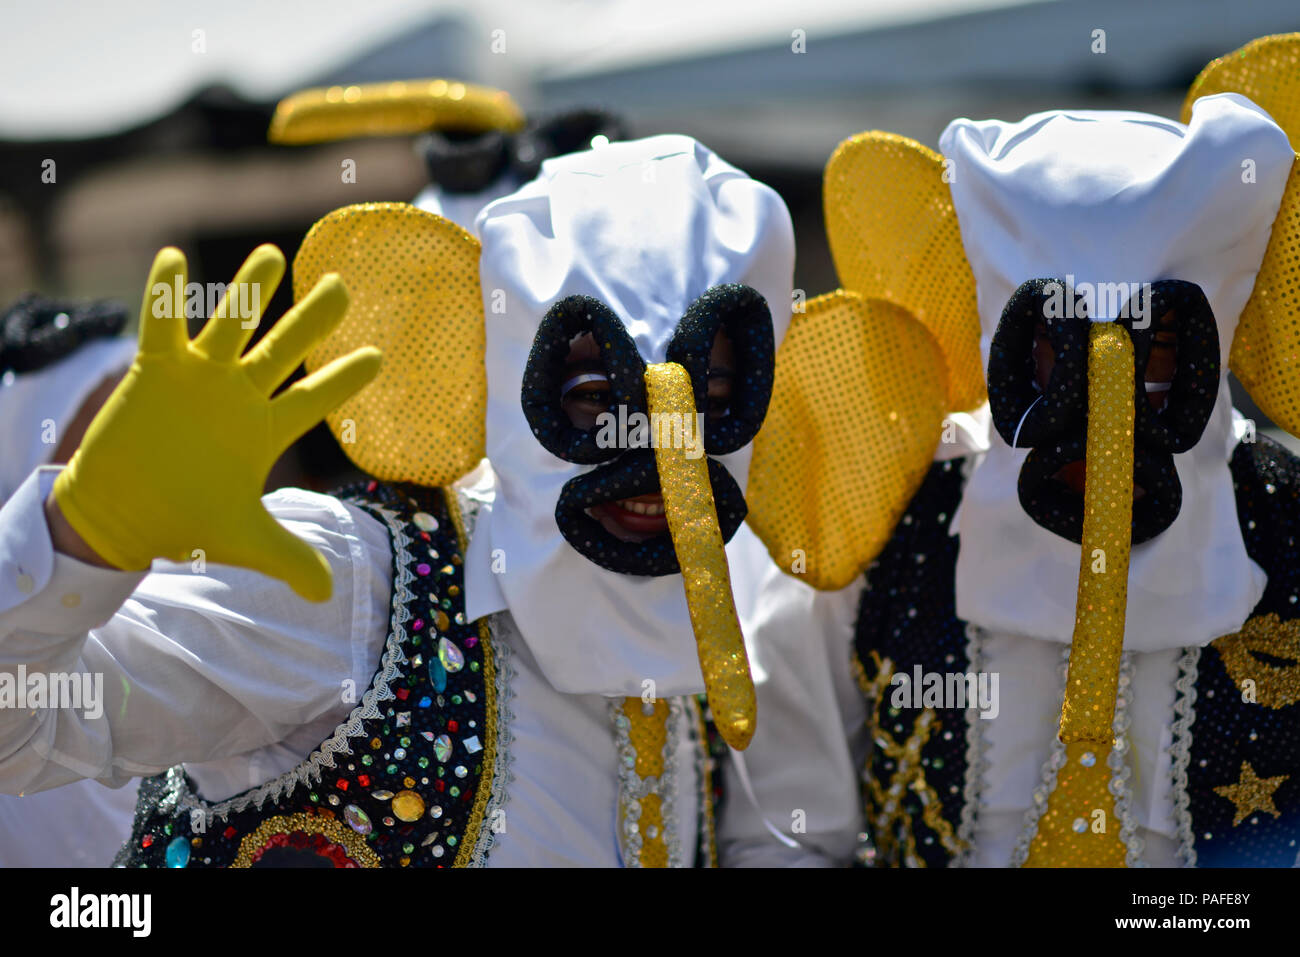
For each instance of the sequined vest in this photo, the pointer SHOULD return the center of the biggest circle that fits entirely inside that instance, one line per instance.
(410, 779)
(1236, 720)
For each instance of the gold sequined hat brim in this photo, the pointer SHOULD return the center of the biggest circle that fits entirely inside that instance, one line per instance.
(391, 109)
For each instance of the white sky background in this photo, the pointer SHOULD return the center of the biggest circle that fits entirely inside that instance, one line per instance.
(72, 68)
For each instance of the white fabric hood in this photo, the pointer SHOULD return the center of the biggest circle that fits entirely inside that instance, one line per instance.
(1108, 197)
(645, 226)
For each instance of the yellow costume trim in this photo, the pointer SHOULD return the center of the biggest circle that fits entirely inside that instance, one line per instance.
(343, 836)
(648, 735)
(391, 109)
(856, 414)
(1266, 346)
(414, 282)
(894, 235)
(1080, 827)
(1270, 685)
(697, 540)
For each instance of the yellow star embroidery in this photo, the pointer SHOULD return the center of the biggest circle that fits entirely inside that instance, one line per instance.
(1251, 793)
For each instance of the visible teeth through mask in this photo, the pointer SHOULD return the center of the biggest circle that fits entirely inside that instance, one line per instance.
(618, 440)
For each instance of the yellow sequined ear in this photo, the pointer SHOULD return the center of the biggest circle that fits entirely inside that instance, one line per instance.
(413, 282)
(893, 234)
(1266, 346)
(391, 109)
(856, 414)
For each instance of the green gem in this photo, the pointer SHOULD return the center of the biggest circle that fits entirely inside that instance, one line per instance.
(423, 762)
(441, 770)
(314, 796)
(455, 699)
(408, 848)
(938, 762)
(473, 666)
(455, 792)
(415, 640)
(167, 828)
(392, 769)
(406, 742)
(451, 841)
(367, 760)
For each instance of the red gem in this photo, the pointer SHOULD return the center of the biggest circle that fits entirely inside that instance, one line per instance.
(342, 784)
(440, 784)
(146, 841)
(453, 725)
(371, 486)
(471, 641)
(363, 780)
(402, 693)
(228, 833)
(425, 536)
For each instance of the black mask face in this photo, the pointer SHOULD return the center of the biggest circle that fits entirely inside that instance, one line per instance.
(740, 312)
(1052, 421)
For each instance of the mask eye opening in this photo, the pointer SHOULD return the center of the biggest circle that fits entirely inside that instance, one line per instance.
(1033, 402)
(741, 313)
(1177, 423)
(549, 377)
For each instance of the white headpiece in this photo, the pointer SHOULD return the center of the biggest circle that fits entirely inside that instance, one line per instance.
(646, 227)
(1116, 198)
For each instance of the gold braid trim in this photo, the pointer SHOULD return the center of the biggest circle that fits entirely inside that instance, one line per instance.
(343, 836)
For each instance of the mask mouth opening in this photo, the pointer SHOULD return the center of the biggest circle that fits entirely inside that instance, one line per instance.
(634, 477)
(1050, 488)
(1038, 395)
(584, 389)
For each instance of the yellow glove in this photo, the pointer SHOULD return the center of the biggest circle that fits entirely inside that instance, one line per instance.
(177, 458)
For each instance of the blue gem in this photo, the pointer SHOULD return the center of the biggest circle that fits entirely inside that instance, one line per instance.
(178, 852)
(437, 674)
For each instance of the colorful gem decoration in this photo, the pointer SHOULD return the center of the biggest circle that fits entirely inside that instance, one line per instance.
(357, 819)
(451, 657)
(374, 810)
(293, 840)
(178, 852)
(442, 748)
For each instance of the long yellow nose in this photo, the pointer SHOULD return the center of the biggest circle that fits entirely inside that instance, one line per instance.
(1079, 827)
(697, 540)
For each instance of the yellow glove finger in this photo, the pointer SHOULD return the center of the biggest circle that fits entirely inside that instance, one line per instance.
(279, 553)
(162, 317)
(306, 402)
(281, 350)
(235, 319)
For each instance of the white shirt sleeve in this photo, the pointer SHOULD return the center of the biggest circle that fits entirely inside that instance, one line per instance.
(804, 760)
(192, 664)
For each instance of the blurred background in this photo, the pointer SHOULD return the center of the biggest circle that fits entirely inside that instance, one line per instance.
(155, 114)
